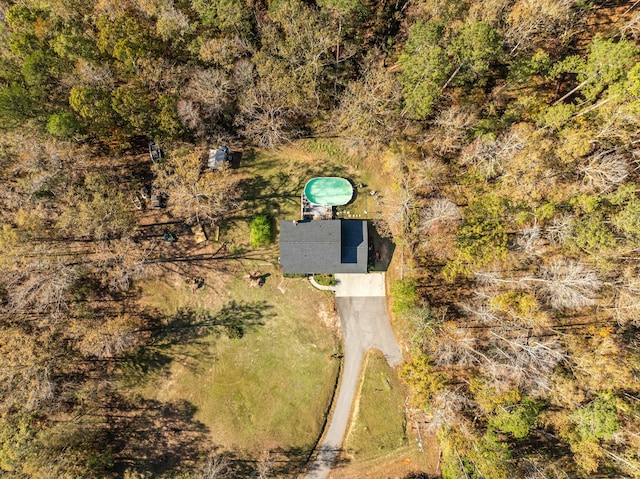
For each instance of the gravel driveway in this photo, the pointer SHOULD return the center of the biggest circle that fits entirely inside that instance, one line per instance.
(362, 306)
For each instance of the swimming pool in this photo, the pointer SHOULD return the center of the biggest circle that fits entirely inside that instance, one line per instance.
(330, 191)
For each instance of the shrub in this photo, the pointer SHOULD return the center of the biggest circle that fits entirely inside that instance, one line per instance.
(545, 211)
(325, 279)
(592, 233)
(404, 295)
(261, 231)
(481, 238)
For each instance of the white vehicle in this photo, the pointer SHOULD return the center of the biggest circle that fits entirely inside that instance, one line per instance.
(218, 156)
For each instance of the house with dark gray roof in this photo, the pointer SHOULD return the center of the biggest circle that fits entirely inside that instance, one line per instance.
(323, 246)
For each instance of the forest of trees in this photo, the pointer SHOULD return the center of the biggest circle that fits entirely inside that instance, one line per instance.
(510, 127)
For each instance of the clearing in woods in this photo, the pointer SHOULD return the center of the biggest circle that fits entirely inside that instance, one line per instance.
(264, 380)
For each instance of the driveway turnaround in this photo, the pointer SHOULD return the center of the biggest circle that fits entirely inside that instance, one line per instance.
(362, 306)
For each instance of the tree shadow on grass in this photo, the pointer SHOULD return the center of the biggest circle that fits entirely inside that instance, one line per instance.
(153, 437)
(143, 366)
(193, 328)
(289, 462)
(234, 319)
(267, 194)
(279, 462)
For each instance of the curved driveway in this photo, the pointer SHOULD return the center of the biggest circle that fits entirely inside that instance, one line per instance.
(362, 306)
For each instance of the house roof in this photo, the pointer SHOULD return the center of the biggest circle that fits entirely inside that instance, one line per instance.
(323, 246)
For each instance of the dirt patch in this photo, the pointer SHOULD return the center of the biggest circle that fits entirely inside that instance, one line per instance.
(396, 465)
(329, 316)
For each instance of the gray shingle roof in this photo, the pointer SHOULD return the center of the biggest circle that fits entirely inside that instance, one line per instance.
(323, 246)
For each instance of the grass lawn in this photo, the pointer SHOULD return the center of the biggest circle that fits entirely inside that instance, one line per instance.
(267, 386)
(275, 179)
(380, 422)
(270, 388)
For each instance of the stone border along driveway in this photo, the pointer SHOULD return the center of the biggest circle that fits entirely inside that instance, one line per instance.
(362, 306)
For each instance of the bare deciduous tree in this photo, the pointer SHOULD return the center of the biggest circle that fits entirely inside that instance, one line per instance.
(632, 27)
(453, 125)
(367, 113)
(401, 204)
(211, 87)
(266, 121)
(604, 170)
(491, 278)
(244, 73)
(120, 262)
(566, 284)
(481, 312)
(525, 360)
(627, 307)
(110, 337)
(25, 379)
(447, 408)
(205, 99)
(542, 469)
(560, 229)
(428, 173)
(41, 285)
(160, 74)
(191, 116)
(265, 466)
(529, 240)
(214, 467)
(569, 284)
(198, 196)
(226, 52)
(171, 22)
(531, 19)
(439, 210)
(488, 155)
(99, 210)
(112, 8)
(455, 346)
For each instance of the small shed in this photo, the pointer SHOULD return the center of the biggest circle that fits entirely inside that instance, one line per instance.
(218, 156)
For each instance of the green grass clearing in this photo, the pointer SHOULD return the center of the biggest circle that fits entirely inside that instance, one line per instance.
(380, 422)
(275, 179)
(268, 389)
